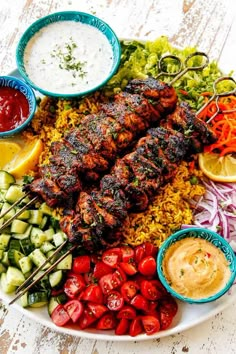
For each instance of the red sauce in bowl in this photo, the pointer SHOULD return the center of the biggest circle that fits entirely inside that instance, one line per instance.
(14, 108)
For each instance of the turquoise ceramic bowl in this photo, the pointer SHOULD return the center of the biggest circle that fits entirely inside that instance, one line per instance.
(76, 17)
(210, 236)
(26, 90)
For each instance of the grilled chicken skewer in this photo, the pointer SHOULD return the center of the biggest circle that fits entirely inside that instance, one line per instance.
(87, 152)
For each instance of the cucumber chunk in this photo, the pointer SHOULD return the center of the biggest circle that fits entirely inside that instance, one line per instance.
(6, 179)
(15, 277)
(55, 278)
(25, 264)
(14, 257)
(10, 214)
(66, 263)
(18, 226)
(38, 258)
(14, 193)
(6, 287)
(4, 241)
(38, 299)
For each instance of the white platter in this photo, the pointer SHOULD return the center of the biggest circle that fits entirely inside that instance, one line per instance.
(187, 316)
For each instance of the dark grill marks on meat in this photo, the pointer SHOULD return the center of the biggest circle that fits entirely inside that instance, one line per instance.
(87, 152)
(133, 182)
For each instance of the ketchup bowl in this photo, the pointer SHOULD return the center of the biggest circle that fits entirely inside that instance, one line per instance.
(196, 265)
(17, 105)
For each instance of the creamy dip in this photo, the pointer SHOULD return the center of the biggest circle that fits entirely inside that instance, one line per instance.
(68, 57)
(195, 268)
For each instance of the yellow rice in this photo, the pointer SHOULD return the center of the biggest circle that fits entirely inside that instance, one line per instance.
(168, 211)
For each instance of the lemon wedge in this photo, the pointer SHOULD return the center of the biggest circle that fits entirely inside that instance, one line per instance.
(218, 168)
(26, 159)
(8, 150)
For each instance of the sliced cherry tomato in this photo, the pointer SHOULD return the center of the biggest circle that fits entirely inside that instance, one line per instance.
(106, 283)
(74, 285)
(165, 319)
(135, 327)
(114, 301)
(81, 264)
(128, 312)
(93, 293)
(139, 253)
(169, 305)
(129, 268)
(107, 321)
(74, 308)
(86, 319)
(60, 316)
(150, 249)
(118, 277)
(150, 291)
(112, 256)
(122, 327)
(56, 292)
(127, 254)
(151, 324)
(129, 289)
(101, 269)
(147, 266)
(97, 309)
(139, 302)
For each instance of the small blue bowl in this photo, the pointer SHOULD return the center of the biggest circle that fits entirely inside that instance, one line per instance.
(26, 90)
(74, 16)
(210, 236)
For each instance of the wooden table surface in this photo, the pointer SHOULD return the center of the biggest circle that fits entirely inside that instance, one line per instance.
(209, 24)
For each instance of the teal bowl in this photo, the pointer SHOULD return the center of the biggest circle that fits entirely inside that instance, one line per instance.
(77, 17)
(26, 90)
(213, 238)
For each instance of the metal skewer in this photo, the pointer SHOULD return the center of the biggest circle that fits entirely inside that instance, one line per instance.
(13, 205)
(42, 275)
(40, 267)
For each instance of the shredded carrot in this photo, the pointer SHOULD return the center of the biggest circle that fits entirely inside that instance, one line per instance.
(223, 124)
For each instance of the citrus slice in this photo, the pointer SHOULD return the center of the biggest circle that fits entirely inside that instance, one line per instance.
(218, 168)
(26, 159)
(8, 149)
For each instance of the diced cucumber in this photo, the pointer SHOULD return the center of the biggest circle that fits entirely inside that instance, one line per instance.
(14, 257)
(25, 235)
(15, 277)
(26, 246)
(36, 217)
(2, 268)
(46, 209)
(10, 214)
(25, 215)
(18, 226)
(52, 304)
(44, 222)
(5, 259)
(6, 179)
(24, 299)
(37, 236)
(47, 246)
(1, 253)
(4, 241)
(38, 258)
(38, 299)
(15, 244)
(54, 258)
(59, 238)
(2, 195)
(14, 193)
(6, 287)
(55, 278)
(66, 263)
(25, 264)
(49, 233)
(42, 283)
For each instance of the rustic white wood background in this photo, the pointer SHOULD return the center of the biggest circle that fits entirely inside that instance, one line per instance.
(209, 24)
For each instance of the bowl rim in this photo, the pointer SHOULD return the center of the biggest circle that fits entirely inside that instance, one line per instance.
(180, 235)
(20, 127)
(27, 32)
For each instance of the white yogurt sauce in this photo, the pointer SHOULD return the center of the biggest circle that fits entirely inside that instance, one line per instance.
(68, 57)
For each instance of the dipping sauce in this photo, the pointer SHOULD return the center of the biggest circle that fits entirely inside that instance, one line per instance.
(14, 108)
(195, 268)
(68, 57)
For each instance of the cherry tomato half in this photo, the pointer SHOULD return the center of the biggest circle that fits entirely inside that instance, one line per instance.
(151, 324)
(74, 285)
(122, 327)
(150, 291)
(81, 264)
(74, 309)
(101, 269)
(106, 322)
(114, 301)
(128, 312)
(147, 266)
(129, 289)
(60, 316)
(112, 256)
(93, 293)
(135, 327)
